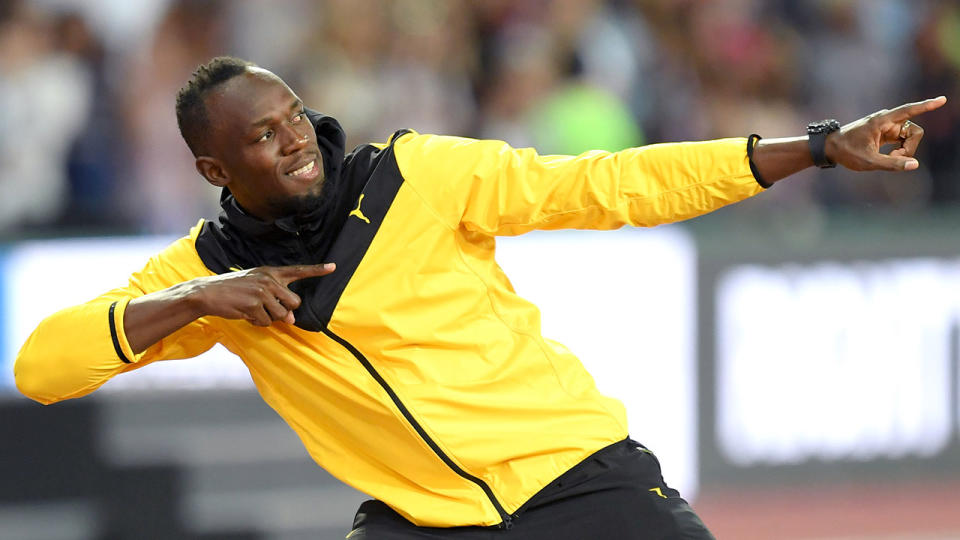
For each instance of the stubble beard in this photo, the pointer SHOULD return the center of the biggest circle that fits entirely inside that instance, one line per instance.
(297, 205)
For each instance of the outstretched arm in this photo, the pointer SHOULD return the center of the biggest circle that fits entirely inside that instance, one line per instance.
(856, 146)
(489, 187)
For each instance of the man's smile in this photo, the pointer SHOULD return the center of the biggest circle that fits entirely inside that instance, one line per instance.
(305, 170)
(308, 169)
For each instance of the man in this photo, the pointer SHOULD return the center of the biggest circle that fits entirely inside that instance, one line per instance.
(362, 293)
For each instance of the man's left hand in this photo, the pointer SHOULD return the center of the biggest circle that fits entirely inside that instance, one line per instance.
(857, 145)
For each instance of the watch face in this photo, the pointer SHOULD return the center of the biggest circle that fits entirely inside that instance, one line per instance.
(824, 126)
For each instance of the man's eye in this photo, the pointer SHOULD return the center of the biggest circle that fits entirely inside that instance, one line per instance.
(266, 136)
(297, 118)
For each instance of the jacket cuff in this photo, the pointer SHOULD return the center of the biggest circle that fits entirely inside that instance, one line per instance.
(117, 334)
(751, 142)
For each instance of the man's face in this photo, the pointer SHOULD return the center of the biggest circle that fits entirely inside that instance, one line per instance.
(261, 145)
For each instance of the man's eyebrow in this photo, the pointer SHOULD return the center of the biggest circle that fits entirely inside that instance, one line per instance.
(297, 104)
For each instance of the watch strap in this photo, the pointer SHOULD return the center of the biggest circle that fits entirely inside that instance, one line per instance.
(817, 136)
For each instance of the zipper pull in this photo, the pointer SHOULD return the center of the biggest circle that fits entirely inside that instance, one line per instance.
(507, 522)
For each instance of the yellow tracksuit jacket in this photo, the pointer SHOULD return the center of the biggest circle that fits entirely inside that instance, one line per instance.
(423, 379)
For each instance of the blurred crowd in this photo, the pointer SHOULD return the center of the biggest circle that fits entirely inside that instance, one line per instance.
(88, 136)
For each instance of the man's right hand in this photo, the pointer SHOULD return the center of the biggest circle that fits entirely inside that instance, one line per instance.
(259, 295)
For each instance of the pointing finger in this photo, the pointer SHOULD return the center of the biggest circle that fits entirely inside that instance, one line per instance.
(288, 274)
(909, 110)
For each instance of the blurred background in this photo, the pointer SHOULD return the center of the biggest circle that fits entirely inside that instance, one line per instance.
(813, 352)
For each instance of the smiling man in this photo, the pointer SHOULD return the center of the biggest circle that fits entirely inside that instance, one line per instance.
(262, 113)
(362, 293)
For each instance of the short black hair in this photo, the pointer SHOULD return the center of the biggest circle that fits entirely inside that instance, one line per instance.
(191, 111)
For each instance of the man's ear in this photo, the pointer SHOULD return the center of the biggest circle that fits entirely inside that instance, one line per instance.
(212, 169)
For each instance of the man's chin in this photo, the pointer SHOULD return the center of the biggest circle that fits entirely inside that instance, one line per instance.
(298, 205)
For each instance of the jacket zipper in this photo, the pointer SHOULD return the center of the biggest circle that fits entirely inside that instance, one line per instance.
(303, 246)
(507, 519)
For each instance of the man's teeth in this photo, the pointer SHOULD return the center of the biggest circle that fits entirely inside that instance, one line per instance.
(305, 169)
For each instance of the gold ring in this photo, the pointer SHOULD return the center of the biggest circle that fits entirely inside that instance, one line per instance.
(903, 129)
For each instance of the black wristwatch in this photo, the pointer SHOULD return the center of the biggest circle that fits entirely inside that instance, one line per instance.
(817, 134)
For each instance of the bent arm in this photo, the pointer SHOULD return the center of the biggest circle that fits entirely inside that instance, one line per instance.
(78, 349)
(259, 295)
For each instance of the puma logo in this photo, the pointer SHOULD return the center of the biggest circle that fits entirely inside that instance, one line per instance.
(357, 212)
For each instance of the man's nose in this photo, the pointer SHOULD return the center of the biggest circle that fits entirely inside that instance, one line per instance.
(294, 141)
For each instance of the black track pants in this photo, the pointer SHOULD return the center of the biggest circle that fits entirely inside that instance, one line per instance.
(616, 494)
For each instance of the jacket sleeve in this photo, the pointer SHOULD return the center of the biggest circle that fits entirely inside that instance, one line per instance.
(76, 350)
(489, 187)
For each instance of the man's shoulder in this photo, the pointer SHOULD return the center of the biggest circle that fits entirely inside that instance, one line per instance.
(182, 255)
(176, 263)
(369, 160)
(377, 149)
